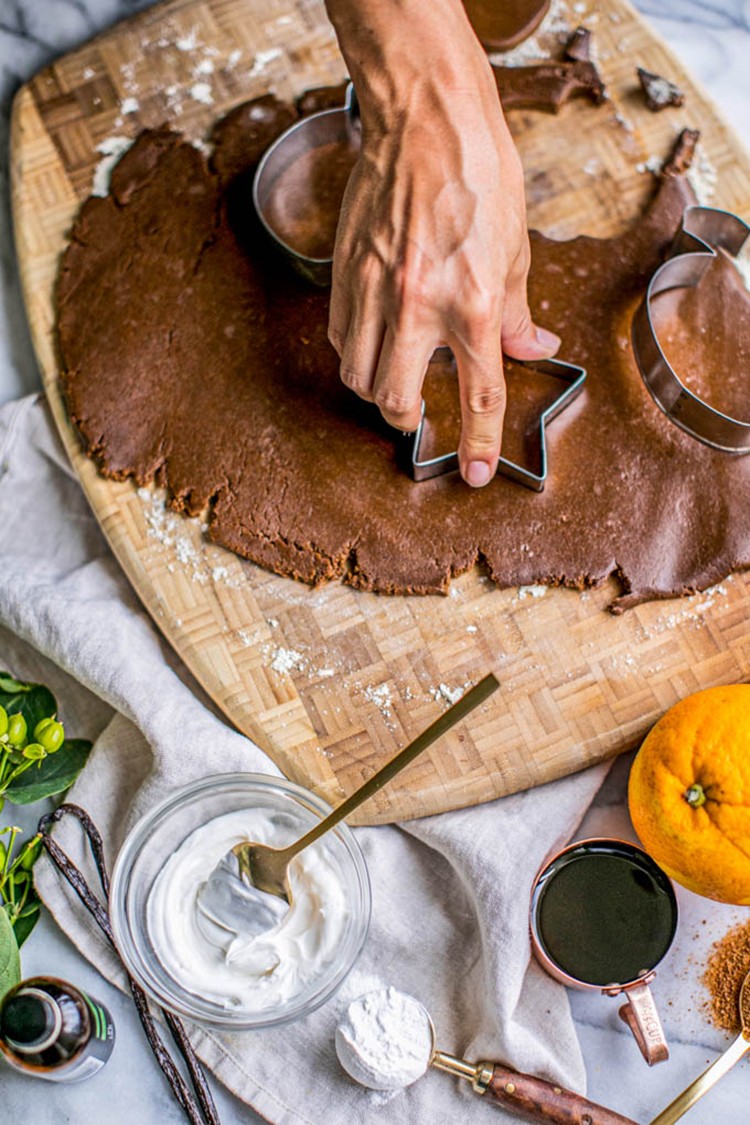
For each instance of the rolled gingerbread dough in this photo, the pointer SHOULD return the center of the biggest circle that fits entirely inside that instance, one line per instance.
(194, 357)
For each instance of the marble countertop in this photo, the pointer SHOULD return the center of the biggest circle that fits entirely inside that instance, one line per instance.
(713, 40)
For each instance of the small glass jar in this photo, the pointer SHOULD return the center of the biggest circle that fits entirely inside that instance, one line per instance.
(165, 828)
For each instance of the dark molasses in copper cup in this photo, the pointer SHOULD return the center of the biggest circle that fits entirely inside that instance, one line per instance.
(603, 915)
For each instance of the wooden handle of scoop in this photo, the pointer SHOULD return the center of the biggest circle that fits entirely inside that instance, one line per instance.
(538, 1100)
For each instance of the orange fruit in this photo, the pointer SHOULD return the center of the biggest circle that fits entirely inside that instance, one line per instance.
(689, 793)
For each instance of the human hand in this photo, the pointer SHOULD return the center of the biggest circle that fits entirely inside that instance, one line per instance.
(432, 247)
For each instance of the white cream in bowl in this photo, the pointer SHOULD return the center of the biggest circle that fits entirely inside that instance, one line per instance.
(235, 972)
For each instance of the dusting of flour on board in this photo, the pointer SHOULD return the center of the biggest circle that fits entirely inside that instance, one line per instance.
(111, 148)
(175, 535)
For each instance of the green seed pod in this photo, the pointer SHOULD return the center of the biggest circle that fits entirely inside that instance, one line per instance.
(51, 735)
(34, 751)
(3, 721)
(30, 853)
(17, 729)
(3, 853)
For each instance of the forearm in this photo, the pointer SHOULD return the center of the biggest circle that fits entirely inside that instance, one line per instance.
(431, 246)
(399, 52)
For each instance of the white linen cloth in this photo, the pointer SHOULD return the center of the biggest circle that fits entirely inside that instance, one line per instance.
(450, 892)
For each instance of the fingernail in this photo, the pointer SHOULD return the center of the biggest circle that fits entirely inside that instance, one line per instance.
(477, 474)
(547, 339)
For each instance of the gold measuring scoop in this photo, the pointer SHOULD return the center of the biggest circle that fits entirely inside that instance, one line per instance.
(703, 1083)
(248, 892)
(365, 1050)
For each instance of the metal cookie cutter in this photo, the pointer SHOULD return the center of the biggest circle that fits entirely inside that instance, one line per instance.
(571, 373)
(337, 126)
(702, 229)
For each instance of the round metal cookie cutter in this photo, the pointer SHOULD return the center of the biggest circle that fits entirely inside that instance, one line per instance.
(702, 231)
(340, 125)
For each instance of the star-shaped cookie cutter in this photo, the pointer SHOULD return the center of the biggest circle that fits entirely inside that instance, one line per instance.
(703, 231)
(571, 373)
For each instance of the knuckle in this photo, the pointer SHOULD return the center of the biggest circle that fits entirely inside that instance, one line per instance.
(395, 403)
(355, 381)
(485, 400)
(480, 448)
(481, 310)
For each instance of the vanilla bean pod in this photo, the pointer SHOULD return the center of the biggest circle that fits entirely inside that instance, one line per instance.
(202, 1112)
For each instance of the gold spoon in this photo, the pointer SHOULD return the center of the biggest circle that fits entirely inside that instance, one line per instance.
(234, 904)
(703, 1083)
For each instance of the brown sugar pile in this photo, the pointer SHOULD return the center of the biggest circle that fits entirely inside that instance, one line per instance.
(727, 967)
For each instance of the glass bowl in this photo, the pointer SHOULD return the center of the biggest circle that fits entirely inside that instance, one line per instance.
(161, 832)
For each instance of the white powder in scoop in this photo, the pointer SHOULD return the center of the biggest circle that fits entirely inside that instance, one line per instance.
(384, 1040)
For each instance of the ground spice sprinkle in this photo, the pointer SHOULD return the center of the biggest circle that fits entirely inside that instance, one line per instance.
(727, 967)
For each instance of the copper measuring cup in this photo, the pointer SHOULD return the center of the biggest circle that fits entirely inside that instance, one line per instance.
(590, 921)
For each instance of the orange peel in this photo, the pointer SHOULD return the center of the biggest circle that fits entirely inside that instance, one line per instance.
(689, 793)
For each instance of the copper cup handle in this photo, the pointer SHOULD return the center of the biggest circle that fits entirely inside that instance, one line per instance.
(642, 1018)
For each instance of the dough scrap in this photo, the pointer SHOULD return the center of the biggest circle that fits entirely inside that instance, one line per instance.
(192, 356)
(501, 26)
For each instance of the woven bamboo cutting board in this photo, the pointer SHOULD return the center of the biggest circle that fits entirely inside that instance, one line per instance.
(331, 682)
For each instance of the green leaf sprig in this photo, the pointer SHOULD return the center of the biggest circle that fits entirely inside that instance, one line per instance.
(36, 761)
(10, 961)
(22, 746)
(20, 902)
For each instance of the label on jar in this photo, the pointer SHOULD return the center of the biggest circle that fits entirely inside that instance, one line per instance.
(84, 1067)
(102, 1027)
